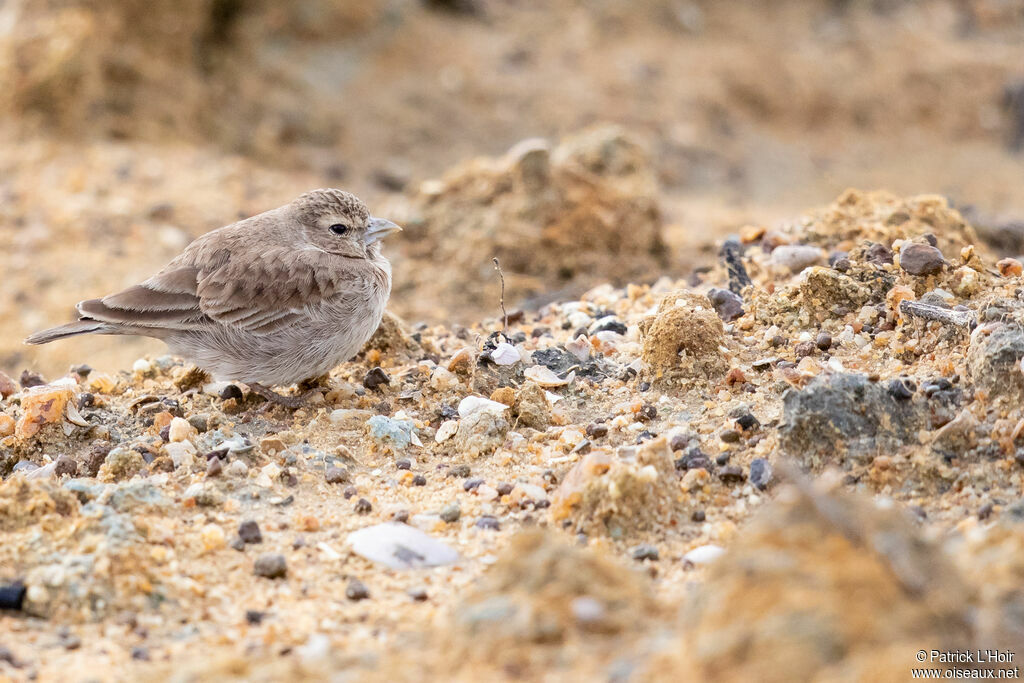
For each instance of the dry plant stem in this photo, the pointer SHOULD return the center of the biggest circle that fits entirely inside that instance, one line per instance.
(916, 309)
(732, 256)
(501, 275)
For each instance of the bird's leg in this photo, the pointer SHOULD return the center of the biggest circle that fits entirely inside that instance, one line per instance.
(272, 396)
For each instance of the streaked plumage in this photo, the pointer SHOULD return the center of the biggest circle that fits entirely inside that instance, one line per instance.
(272, 299)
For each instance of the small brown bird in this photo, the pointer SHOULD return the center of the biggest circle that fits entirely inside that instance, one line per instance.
(273, 299)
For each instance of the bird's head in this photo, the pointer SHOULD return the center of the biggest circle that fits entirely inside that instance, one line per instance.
(339, 223)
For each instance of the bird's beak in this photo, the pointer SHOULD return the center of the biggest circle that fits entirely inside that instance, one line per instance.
(379, 228)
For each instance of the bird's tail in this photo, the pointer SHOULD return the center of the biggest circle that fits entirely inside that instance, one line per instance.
(69, 330)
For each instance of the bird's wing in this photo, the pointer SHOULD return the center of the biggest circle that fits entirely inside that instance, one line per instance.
(256, 295)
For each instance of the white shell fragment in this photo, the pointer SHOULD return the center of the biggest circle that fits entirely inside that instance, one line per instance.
(545, 377)
(471, 404)
(72, 415)
(505, 354)
(446, 431)
(400, 546)
(704, 554)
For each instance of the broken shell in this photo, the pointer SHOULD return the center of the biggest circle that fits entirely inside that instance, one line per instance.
(505, 354)
(546, 378)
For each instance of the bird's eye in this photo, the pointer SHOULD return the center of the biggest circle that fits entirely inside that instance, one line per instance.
(339, 229)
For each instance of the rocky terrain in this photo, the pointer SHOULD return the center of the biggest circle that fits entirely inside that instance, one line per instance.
(808, 455)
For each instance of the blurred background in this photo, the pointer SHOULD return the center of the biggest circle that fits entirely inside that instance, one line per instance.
(640, 131)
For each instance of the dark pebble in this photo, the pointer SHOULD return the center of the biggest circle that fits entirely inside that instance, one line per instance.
(231, 391)
(693, 459)
(597, 431)
(729, 436)
(488, 522)
(921, 259)
(747, 422)
(165, 434)
(459, 471)
(612, 326)
(698, 516)
(237, 543)
(254, 617)
(363, 506)
(336, 475)
(504, 488)
(644, 436)
(83, 370)
(901, 388)
(760, 473)
(731, 475)
(879, 254)
(644, 552)
(31, 379)
(471, 484)
(727, 304)
(840, 260)
(777, 341)
(349, 492)
(200, 422)
(450, 513)
(417, 593)
(249, 531)
(722, 459)
(419, 480)
(823, 341)
(403, 464)
(643, 386)
(804, 349)
(140, 654)
(448, 412)
(86, 400)
(12, 595)
(66, 465)
(356, 590)
(679, 442)
(214, 468)
(648, 412)
(985, 511)
(270, 565)
(375, 378)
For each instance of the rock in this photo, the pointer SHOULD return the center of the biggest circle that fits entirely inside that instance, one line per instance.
(182, 454)
(65, 466)
(480, 433)
(780, 596)
(7, 385)
(271, 566)
(795, 257)
(356, 590)
(921, 259)
(396, 434)
(472, 404)
(681, 341)
(760, 473)
(844, 415)
(42, 405)
(121, 463)
(400, 546)
(505, 354)
(450, 513)
(180, 430)
(376, 378)
(249, 531)
(728, 305)
(704, 554)
(994, 362)
(336, 475)
(644, 552)
(530, 407)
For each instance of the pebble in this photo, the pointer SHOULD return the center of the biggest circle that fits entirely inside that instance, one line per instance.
(796, 257)
(596, 430)
(363, 507)
(823, 341)
(180, 430)
(213, 537)
(450, 513)
(704, 554)
(271, 565)
(472, 404)
(879, 254)
(727, 304)
(921, 259)
(446, 431)
(336, 475)
(760, 473)
(645, 552)
(417, 593)
(249, 531)
(376, 378)
(356, 590)
(400, 546)
(488, 522)
(505, 354)
(396, 433)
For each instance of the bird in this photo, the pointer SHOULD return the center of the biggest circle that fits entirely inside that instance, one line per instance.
(273, 299)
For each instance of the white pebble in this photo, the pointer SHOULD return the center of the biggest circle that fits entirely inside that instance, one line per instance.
(704, 554)
(471, 404)
(142, 367)
(179, 430)
(505, 354)
(446, 431)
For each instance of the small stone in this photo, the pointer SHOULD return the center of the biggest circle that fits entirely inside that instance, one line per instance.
(679, 441)
(698, 516)
(65, 465)
(200, 423)
(901, 388)
(727, 304)
(356, 590)
(645, 552)
(363, 507)
(400, 546)
(376, 378)
(336, 475)
(7, 385)
(921, 259)
(180, 430)
(419, 480)
(249, 532)
(596, 430)
(879, 254)
(796, 257)
(237, 468)
(823, 341)
(704, 554)
(271, 565)
(31, 379)
(214, 468)
(403, 464)
(760, 473)
(237, 543)
(231, 391)
(417, 593)
(488, 522)
(459, 471)
(450, 513)
(747, 422)
(729, 436)
(804, 349)
(1010, 267)
(731, 475)
(213, 537)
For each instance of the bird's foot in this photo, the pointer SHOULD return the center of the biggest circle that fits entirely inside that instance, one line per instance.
(274, 398)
